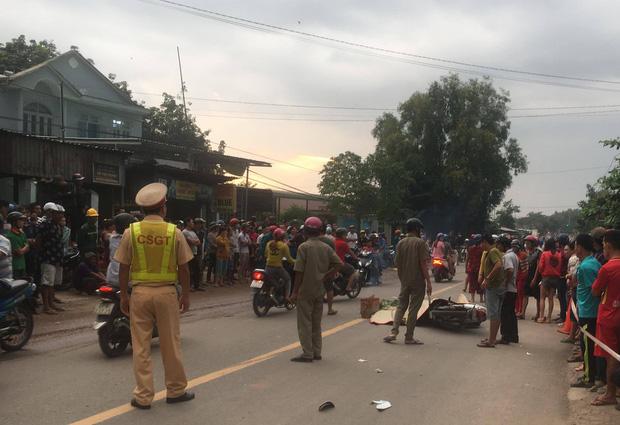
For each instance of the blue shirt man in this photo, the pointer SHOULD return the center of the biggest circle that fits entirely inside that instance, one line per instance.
(587, 304)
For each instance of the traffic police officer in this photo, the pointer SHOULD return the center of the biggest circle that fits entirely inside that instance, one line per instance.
(153, 255)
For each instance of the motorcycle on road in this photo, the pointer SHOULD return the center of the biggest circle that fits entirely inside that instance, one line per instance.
(17, 306)
(268, 293)
(339, 284)
(112, 326)
(441, 270)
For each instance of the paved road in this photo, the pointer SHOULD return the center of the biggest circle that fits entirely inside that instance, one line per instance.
(242, 375)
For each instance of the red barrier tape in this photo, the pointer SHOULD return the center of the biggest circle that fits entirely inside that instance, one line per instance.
(597, 341)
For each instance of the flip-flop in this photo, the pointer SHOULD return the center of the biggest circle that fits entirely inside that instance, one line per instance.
(332, 313)
(600, 401)
(486, 345)
(389, 338)
(413, 342)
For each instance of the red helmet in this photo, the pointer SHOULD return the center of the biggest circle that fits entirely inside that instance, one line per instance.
(532, 238)
(272, 228)
(313, 223)
(234, 221)
(278, 234)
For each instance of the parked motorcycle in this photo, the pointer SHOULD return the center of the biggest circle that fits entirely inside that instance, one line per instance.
(441, 270)
(17, 306)
(112, 326)
(70, 263)
(339, 284)
(268, 293)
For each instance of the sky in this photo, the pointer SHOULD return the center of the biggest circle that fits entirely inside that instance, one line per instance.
(137, 41)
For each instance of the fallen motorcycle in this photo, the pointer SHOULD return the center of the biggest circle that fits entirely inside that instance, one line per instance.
(17, 306)
(268, 293)
(454, 315)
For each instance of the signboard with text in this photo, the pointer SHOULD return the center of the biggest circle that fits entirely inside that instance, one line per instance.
(106, 174)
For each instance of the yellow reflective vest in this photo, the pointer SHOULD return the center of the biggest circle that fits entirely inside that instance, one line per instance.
(154, 255)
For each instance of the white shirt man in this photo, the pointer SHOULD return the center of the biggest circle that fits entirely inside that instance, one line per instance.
(352, 238)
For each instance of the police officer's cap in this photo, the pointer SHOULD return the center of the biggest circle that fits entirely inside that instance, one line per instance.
(152, 196)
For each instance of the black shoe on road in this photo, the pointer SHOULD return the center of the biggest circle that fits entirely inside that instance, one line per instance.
(180, 399)
(137, 405)
(582, 383)
(317, 358)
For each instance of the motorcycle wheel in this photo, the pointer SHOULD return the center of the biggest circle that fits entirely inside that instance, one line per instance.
(108, 346)
(357, 288)
(437, 277)
(26, 322)
(261, 304)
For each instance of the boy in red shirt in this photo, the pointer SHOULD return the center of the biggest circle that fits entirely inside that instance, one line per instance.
(607, 286)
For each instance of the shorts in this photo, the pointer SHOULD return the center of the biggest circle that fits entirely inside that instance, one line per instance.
(551, 282)
(51, 275)
(610, 336)
(495, 298)
(221, 267)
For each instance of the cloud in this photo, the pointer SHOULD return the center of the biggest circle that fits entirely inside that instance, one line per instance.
(222, 61)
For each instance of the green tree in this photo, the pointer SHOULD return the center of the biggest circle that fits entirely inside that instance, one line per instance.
(19, 54)
(294, 212)
(447, 150)
(347, 182)
(602, 204)
(167, 124)
(506, 215)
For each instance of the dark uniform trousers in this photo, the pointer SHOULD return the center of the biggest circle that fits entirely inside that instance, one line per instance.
(149, 306)
(509, 327)
(309, 315)
(411, 297)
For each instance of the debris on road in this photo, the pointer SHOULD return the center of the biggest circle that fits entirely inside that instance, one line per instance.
(326, 405)
(362, 360)
(378, 371)
(382, 404)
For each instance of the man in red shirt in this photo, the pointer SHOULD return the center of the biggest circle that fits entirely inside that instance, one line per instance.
(342, 250)
(607, 286)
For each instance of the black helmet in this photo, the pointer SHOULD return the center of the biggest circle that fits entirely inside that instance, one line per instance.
(414, 224)
(503, 241)
(14, 216)
(122, 221)
(341, 232)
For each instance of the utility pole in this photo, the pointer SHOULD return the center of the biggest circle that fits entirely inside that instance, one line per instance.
(62, 111)
(247, 190)
(182, 84)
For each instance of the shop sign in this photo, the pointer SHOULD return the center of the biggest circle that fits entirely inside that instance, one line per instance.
(106, 173)
(225, 199)
(182, 190)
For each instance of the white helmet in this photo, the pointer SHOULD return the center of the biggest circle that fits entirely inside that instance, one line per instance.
(60, 208)
(50, 206)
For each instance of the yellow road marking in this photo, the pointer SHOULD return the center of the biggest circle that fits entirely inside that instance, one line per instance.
(126, 408)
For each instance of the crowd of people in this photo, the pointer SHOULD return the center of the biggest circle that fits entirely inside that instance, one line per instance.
(583, 273)
(37, 242)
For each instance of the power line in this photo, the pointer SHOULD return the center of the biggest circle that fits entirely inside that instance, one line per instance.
(542, 108)
(280, 105)
(279, 182)
(564, 171)
(558, 114)
(285, 119)
(272, 159)
(256, 25)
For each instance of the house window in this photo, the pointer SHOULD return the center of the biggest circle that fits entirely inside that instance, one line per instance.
(37, 119)
(88, 126)
(119, 129)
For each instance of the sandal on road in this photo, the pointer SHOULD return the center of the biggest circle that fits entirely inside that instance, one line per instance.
(413, 341)
(332, 312)
(486, 344)
(541, 320)
(604, 401)
(390, 338)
